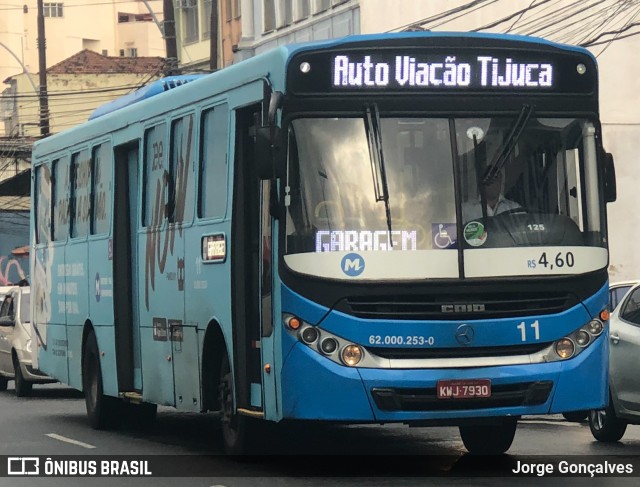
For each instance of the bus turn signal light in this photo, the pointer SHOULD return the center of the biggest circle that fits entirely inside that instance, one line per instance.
(294, 323)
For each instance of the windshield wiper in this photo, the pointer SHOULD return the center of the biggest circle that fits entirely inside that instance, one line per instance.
(374, 139)
(500, 159)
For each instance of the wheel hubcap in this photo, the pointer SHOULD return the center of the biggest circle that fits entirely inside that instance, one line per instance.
(598, 418)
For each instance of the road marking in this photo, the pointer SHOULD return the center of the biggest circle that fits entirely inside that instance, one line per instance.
(69, 440)
(554, 423)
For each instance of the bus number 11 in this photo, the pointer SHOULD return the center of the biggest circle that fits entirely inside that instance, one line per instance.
(523, 330)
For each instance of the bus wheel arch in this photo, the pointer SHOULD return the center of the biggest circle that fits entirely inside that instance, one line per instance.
(101, 409)
(214, 348)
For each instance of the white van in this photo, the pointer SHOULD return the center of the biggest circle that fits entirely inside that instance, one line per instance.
(16, 343)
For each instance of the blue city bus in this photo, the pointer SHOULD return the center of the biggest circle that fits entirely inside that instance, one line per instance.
(393, 228)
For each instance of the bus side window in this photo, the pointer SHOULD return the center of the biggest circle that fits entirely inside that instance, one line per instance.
(101, 189)
(61, 206)
(43, 205)
(156, 176)
(80, 187)
(181, 169)
(212, 201)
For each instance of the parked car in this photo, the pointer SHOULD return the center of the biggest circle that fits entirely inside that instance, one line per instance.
(3, 292)
(610, 424)
(16, 343)
(617, 291)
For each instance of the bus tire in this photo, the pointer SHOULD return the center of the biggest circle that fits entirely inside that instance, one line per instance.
(489, 439)
(23, 388)
(605, 426)
(233, 425)
(100, 408)
(141, 416)
(3, 384)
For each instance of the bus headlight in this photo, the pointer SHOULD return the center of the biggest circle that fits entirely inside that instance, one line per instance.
(565, 348)
(309, 335)
(332, 347)
(595, 327)
(582, 338)
(574, 343)
(328, 345)
(351, 355)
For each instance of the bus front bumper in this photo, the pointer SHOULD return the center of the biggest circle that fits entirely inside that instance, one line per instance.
(315, 388)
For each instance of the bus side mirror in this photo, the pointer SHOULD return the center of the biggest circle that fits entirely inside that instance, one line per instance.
(267, 153)
(610, 191)
(268, 141)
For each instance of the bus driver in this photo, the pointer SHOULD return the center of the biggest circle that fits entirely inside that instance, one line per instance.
(495, 200)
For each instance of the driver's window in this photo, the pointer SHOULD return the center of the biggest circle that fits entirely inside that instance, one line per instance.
(631, 311)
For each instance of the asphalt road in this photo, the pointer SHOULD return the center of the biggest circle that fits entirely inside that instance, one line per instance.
(53, 422)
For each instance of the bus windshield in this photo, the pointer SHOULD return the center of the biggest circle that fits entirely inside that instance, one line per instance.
(521, 182)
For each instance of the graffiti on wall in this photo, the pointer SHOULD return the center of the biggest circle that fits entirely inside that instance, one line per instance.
(11, 271)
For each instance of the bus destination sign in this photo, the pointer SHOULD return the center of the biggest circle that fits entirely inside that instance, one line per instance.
(418, 70)
(485, 71)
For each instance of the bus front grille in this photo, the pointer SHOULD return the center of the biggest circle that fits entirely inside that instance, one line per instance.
(458, 352)
(506, 395)
(442, 307)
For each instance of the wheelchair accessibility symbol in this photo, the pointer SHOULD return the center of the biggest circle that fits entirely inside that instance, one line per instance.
(444, 235)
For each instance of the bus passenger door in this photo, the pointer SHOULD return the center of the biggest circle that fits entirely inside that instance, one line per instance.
(125, 262)
(247, 279)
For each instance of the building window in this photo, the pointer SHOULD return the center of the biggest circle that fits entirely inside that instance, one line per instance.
(301, 10)
(105, 52)
(52, 9)
(228, 10)
(269, 13)
(321, 5)
(121, 52)
(189, 19)
(133, 52)
(338, 2)
(206, 19)
(286, 13)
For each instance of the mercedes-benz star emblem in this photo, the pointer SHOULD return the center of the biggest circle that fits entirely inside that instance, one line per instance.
(465, 334)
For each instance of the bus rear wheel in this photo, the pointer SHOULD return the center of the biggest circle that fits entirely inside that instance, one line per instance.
(234, 426)
(100, 408)
(489, 439)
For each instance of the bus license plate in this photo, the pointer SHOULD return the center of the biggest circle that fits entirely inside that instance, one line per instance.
(463, 389)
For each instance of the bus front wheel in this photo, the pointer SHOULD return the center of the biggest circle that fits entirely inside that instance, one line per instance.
(489, 439)
(3, 384)
(234, 425)
(100, 408)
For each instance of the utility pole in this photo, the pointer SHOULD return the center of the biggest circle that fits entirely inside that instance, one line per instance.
(169, 37)
(42, 63)
(213, 36)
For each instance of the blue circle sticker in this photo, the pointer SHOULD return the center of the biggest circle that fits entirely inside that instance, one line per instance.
(352, 265)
